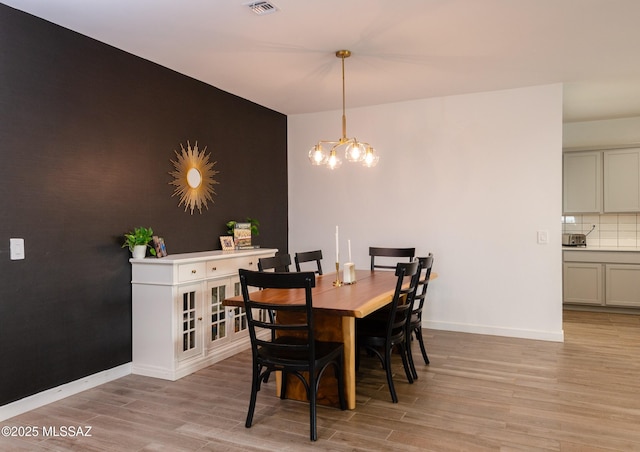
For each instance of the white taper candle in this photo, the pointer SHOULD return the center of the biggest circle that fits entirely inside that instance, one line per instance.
(337, 246)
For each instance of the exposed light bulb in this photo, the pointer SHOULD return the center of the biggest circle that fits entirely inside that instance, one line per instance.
(334, 162)
(371, 158)
(317, 155)
(354, 151)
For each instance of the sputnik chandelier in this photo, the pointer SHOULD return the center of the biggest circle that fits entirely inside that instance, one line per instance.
(354, 150)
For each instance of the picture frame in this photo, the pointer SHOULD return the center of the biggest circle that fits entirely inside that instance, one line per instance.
(227, 243)
(242, 235)
(159, 246)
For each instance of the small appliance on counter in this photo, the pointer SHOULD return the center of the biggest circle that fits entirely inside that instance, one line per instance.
(574, 240)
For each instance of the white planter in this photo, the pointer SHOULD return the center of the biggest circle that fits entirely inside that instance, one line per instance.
(139, 251)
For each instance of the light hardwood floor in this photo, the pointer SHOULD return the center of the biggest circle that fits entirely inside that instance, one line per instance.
(479, 393)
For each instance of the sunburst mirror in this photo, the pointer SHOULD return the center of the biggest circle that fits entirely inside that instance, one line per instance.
(193, 178)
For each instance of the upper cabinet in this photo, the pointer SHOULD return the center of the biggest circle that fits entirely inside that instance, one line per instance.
(622, 180)
(605, 181)
(582, 182)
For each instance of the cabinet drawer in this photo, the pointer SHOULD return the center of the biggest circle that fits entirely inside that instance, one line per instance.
(191, 272)
(248, 263)
(226, 267)
(221, 267)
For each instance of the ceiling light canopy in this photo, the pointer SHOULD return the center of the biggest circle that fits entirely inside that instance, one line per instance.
(327, 152)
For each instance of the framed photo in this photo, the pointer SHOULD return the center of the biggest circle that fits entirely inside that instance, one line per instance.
(242, 235)
(227, 243)
(159, 246)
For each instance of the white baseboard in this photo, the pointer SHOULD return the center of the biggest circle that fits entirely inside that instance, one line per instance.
(60, 392)
(552, 336)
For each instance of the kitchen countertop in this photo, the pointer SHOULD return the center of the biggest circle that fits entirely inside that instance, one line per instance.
(601, 248)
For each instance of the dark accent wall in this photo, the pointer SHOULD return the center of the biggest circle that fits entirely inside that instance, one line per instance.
(87, 133)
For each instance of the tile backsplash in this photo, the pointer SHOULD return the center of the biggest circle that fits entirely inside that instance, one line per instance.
(610, 229)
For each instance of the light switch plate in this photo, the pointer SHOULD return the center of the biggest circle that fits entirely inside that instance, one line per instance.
(543, 237)
(17, 249)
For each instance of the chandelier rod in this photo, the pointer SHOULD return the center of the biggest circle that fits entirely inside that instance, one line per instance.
(342, 54)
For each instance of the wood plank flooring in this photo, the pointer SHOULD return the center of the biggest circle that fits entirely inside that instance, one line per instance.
(480, 393)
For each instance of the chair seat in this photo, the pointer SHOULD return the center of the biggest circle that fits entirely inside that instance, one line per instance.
(375, 330)
(324, 352)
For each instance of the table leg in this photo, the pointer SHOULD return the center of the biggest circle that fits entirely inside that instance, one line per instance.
(338, 329)
(349, 340)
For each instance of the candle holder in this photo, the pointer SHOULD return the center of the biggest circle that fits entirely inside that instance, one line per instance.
(349, 273)
(337, 282)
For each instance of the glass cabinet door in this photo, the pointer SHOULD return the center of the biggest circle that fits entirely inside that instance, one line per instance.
(238, 314)
(191, 321)
(217, 292)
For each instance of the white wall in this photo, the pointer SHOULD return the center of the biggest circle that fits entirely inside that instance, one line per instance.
(471, 178)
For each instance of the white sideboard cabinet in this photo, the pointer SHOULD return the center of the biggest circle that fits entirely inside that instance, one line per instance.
(179, 324)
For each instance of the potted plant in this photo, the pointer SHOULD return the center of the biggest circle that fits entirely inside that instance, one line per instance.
(255, 225)
(138, 241)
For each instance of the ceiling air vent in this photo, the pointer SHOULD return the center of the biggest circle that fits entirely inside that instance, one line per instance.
(262, 8)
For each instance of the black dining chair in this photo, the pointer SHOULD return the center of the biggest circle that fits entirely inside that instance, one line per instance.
(386, 254)
(414, 325)
(295, 351)
(309, 256)
(378, 335)
(278, 263)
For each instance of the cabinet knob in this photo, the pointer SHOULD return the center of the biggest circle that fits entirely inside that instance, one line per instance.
(200, 318)
(214, 269)
(194, 271)
(251, 263)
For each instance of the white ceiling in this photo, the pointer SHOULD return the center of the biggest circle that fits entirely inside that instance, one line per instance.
(402, 49)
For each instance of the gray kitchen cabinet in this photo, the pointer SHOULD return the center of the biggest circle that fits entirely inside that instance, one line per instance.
(623, 285)
(622, 180)
(601, 278)
(582, 182)
(583, 283)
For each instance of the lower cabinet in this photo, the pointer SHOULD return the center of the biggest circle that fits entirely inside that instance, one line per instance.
(623, 285)
(602, 278)
(583, 283)
(179, 322)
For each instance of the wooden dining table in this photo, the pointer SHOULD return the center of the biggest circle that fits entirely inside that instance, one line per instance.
(335, 311)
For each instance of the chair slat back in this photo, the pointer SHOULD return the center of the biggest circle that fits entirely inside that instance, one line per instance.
(309, 256)
(375, 251)
(295, 338)
(426, 264)
(278, 263)
(402, 303)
